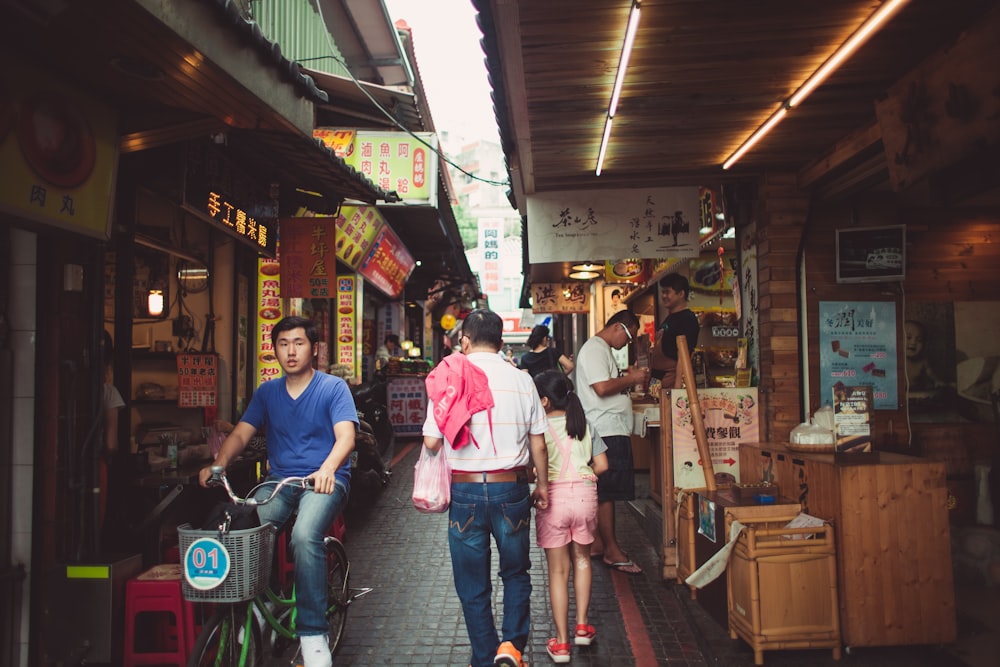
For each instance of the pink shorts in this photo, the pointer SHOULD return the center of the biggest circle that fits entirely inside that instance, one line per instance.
(570, 517)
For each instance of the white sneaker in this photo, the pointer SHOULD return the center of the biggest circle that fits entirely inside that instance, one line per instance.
(315, 651)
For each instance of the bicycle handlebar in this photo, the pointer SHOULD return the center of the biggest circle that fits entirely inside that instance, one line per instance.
(219, 478)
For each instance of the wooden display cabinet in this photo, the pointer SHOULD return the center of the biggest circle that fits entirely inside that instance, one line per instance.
(891, 522)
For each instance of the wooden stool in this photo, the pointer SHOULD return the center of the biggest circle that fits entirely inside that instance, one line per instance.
(158, 591)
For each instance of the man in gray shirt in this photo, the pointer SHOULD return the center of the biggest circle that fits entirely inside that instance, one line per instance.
(604, 395)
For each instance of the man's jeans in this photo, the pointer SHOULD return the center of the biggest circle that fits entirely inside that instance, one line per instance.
(316, 512)
(477, 511)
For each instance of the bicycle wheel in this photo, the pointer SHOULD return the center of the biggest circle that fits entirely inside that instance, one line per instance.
(223, 640)
(338, 596)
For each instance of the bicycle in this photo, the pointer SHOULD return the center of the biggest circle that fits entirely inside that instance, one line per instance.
(233, 567)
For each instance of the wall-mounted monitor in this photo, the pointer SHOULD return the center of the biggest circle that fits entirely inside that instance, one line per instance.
(871, 254)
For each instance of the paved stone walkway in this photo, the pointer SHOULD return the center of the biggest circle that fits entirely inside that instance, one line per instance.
(413, 616)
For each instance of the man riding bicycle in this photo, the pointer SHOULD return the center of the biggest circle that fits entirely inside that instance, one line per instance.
(310, 419)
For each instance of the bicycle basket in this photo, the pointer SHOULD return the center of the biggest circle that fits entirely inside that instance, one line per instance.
(250, 553)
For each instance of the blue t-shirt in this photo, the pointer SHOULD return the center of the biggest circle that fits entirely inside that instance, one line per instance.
(300, 431)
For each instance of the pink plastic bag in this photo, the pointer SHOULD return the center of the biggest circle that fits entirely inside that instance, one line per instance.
(431, 482)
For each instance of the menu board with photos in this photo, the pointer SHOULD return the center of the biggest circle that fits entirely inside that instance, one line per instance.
(852, 417)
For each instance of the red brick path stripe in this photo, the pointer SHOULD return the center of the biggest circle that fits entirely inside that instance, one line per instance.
(635, 627)
(404, 449)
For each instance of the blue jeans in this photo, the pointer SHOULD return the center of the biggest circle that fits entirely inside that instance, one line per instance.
(316, 512)
(477, 511)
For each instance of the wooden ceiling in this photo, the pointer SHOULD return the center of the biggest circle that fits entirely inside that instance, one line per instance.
(703, 76)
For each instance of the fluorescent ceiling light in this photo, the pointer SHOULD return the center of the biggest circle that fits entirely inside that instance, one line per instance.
(853, 43)
(604, 146)
(616, 91)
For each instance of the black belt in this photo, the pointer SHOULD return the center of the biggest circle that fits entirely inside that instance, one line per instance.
(520, 476)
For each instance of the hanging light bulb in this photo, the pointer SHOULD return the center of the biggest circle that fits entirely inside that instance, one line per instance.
(154, 303)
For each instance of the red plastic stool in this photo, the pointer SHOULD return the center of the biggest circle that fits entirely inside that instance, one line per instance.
(285, 564)
(157, 591)
(172, 554)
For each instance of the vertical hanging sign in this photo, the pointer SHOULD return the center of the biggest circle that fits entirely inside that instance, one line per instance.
(490, 239)
(268, 314)
(310, 265)
(347, 322)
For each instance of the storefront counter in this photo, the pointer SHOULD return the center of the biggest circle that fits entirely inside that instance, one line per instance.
(892, 532)
(646, 446)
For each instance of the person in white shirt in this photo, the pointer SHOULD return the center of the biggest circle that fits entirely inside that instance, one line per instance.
(604, 395)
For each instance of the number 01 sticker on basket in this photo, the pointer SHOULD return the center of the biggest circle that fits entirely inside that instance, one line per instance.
(232, 567)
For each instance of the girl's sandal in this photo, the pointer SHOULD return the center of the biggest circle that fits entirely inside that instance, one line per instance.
(560, 653)
(584, 635)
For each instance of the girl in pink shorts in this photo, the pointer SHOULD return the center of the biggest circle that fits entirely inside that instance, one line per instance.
(566, 528)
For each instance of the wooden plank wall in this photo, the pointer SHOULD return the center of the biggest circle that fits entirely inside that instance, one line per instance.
(781, 215)
(952, 255)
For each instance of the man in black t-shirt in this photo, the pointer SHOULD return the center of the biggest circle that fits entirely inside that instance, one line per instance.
(680, 321)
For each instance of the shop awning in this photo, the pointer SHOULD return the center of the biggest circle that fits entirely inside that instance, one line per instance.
(352, 104)
(301, 163)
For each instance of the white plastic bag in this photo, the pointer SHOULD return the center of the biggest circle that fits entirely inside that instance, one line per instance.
(431, 482)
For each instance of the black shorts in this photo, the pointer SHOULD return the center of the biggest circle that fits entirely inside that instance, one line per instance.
(618, 481)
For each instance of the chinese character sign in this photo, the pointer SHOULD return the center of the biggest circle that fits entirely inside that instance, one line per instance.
(197, 380)
(357, 229)
(339, 141)
(857, 346)
(58, 148)
(347, 323)
(731, 418)
(575, 225)
(407, 405)
(388, 264)
(395, 161)
(560, 297)
(309, 265)
(490, 239)
(268, 314)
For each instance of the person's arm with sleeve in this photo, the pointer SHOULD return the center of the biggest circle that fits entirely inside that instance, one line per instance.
(565, 362)
(599, 457)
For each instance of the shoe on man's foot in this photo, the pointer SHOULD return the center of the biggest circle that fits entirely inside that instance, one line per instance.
(508, 656)
(315, 651)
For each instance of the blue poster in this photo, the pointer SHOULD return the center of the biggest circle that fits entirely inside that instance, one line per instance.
(857, 346)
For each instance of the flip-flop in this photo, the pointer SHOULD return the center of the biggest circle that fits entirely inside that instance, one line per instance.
(626, 566)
